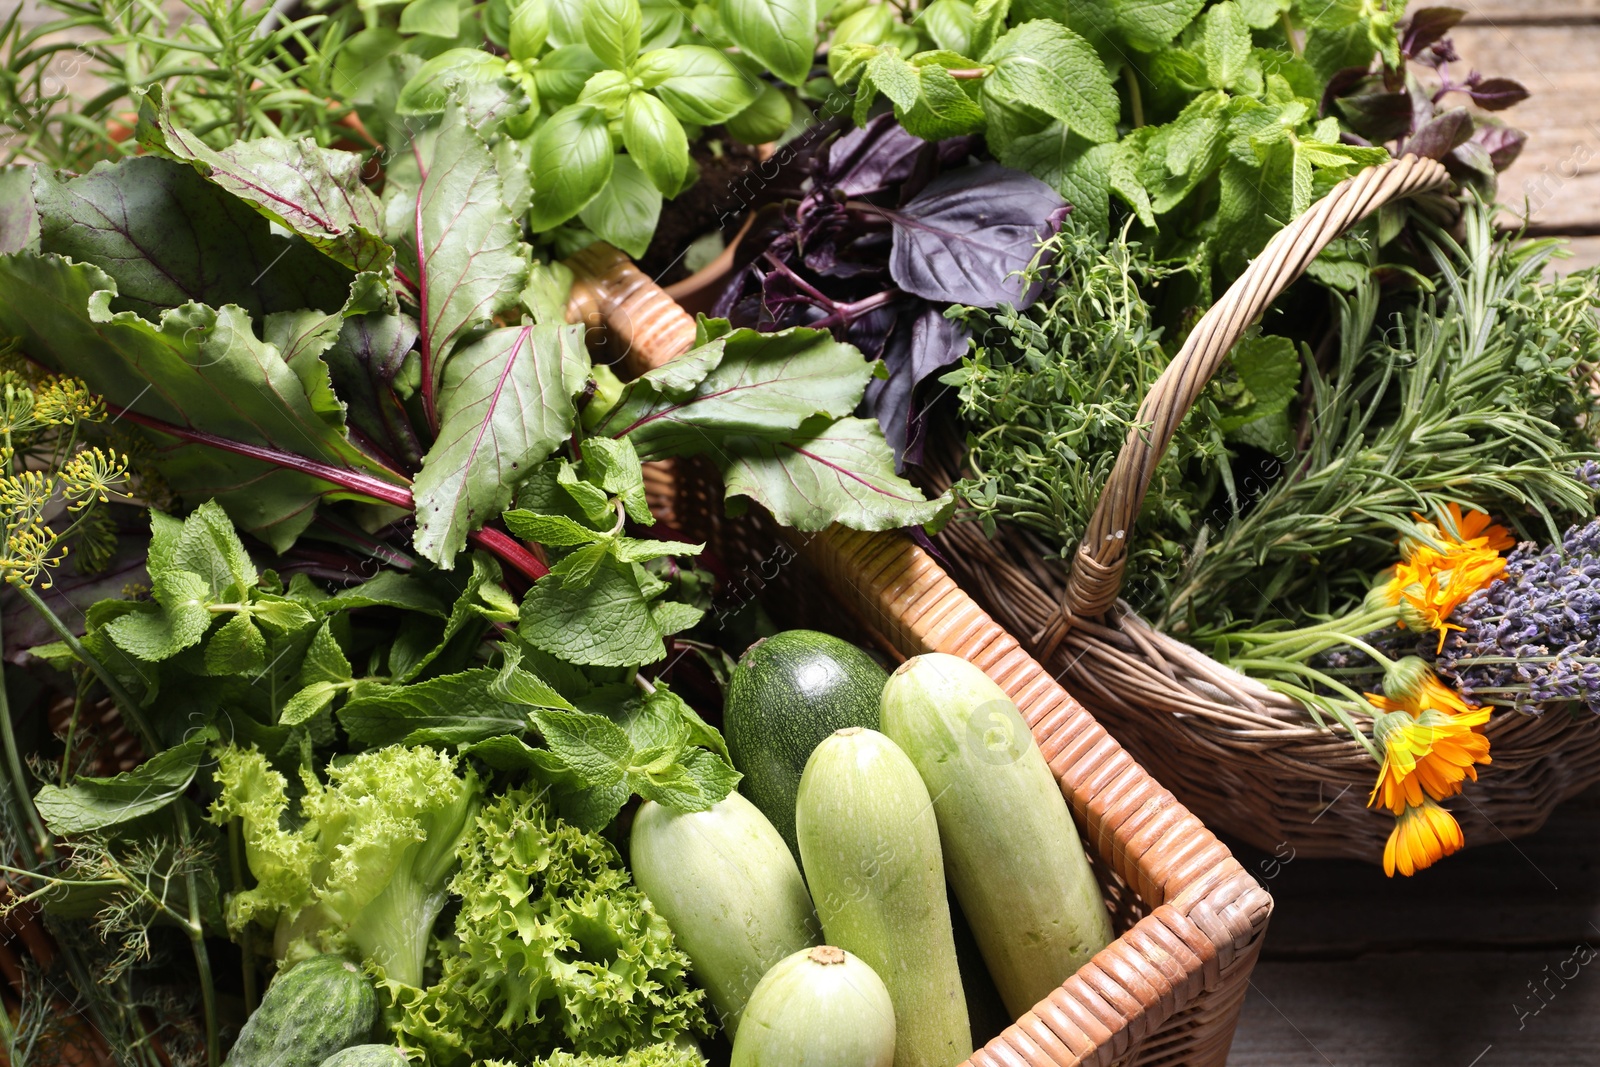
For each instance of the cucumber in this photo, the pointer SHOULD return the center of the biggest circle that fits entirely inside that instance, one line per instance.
(787, 694)
(870, 848)
(821, 1007)
(367, 1056)
(1011, 853)
(728, 886)
(308, 1013)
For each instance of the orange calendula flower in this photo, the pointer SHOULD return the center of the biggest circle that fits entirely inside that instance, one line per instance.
(1427, 756)
(1445, 567)
(1422, 836)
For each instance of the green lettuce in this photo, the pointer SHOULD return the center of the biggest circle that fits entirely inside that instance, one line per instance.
(554, 947)
(366, 872)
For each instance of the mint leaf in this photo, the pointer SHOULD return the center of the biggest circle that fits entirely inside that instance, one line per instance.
(90, 804)
(1225, 48)
(593, 748)
(237, 648)
(316, 192)
(1046, 66)
(177, 620)
(843, 472)
(580, 566)
(764, 384)
(389, 589)
(307, 703)
(613, 465)
(207, 545)
(505, 402)
(606, 622)
(472, 260)
(325, 661)
(517, 685)
(452, 709)
(942, 107)
(169, 237)
(1152, 24)
(555, 531)
(467, 608)
(1268, 368)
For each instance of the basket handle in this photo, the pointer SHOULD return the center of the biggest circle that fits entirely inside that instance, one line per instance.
(627, 308)
(1098, 564)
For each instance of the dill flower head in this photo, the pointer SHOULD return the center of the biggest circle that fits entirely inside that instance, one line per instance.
(92, 475)
(1443, 564)
(60, 400)
(1423, 834)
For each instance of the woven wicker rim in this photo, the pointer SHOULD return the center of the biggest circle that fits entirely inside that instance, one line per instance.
(1101, 558)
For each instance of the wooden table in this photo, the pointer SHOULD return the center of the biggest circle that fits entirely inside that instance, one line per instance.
(1490, 958)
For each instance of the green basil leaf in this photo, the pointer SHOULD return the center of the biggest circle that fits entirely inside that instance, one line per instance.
(627, 209)
(781, 34)
(432, 18)
(656, 142)
(663, 25)
(765, 120)
(530, 26)
(698, 84)
(611, 30)
(429, 89)
(608, 90)
(566, 22)
(561, 75)
(572, 160)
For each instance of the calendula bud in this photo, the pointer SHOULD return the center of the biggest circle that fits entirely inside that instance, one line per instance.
(1406, 681)
(1383, 594)
(1426, 536)
(1386, 724)
(1411, 616)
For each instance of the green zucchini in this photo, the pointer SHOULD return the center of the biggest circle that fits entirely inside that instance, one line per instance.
(1011, 853)
(367, 1056)
(787, 694)
(821, 1007)
(729, 888)
(308, 1013)
(870, 847)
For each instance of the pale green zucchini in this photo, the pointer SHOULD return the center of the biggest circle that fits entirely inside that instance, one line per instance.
(729, 887)
(1011, 852)
(870, 848)
(821, 1007)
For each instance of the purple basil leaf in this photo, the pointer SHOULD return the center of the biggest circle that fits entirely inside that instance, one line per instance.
(1428, 25)
(963, 240)
(872, 158)
(870, 332)
(1342, 83)
(1503, 143)
(1440, 134)
(1497, 94)
(922, 343)
(1378, 117)
(1470, 159)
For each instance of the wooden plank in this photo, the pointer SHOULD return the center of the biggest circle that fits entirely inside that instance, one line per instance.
(1522, 12)
(1558, 175)
(1539, 891)
(1459, 1009)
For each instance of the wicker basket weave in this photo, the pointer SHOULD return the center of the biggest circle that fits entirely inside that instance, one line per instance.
(1191, 920)
(1248, 761)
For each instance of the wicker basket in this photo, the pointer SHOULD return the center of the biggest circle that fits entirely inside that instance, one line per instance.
(1190, 919)
(1248, 761)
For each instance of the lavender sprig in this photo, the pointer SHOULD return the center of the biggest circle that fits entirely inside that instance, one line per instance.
(1532, 639)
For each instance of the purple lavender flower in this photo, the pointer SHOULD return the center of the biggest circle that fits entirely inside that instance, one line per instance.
(1532, 639)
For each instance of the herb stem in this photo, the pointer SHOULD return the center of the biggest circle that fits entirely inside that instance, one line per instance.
(247, 943)
(125, 703)
(1288, 33)
(1135, 96)
(19, 783)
